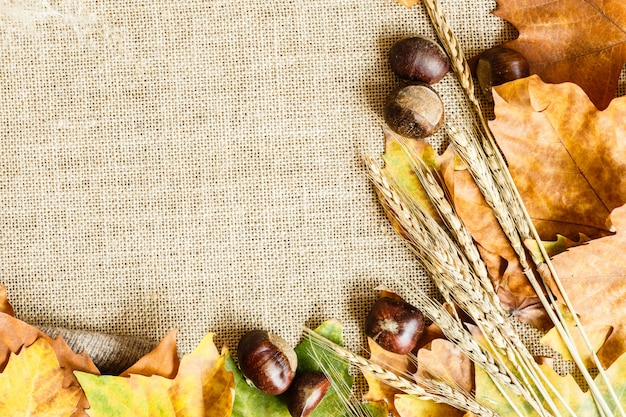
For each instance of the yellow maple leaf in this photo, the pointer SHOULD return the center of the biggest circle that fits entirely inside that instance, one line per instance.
(202, 387)
(32, 384)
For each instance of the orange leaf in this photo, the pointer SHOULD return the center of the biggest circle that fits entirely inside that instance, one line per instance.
(379, 391)
(566, 157)
(163, 360)
(5, 306)
(32, 384)
(580, 41)
(593, 278)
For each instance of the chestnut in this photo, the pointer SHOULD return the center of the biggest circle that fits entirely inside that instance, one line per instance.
(306, 392)
(414, 111)
(267, 361)
(418, 59)
(395, 325)
(500, 65)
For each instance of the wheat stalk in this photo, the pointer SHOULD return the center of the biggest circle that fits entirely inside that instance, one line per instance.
(452, 328)
(451, 271)
(477, 164)
(428, 389)
(520, 216)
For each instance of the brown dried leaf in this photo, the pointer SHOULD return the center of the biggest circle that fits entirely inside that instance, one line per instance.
(513, 289)
(566, 157)
(593, 278)
(445, 361)
(581, 41)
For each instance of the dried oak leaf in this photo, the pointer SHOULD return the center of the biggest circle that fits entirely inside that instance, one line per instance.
(582, 41)
(202, 387)
(379, 391)
(33, 383)
(593, 278)
(566, 157)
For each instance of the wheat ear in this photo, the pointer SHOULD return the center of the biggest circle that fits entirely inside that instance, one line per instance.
(524, 223)
(476, 163)
(427, 390)
(451, 271)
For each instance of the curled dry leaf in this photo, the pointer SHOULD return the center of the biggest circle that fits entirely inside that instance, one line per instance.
(550, 38)
(162, 360)
(513, 289)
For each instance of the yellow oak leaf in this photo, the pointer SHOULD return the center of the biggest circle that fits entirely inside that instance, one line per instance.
(202, 387)
(32, 384)
(593, 278)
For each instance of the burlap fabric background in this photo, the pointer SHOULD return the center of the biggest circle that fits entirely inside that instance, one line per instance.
(197, 164)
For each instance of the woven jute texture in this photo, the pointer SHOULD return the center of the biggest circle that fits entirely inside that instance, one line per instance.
(198, 164)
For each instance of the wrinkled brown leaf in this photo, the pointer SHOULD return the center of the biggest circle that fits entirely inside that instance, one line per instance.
(445, 361)
(594, 279)
(580, 41)
(566, 157)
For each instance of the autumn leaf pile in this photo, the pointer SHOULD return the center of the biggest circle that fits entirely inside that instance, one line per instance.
(562, 135)
(43, 376)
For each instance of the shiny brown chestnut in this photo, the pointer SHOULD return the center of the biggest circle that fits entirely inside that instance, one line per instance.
(395, 325)
(306, 392)
(414, 111)
(500, 65)
(418, 59)
(267, 361)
